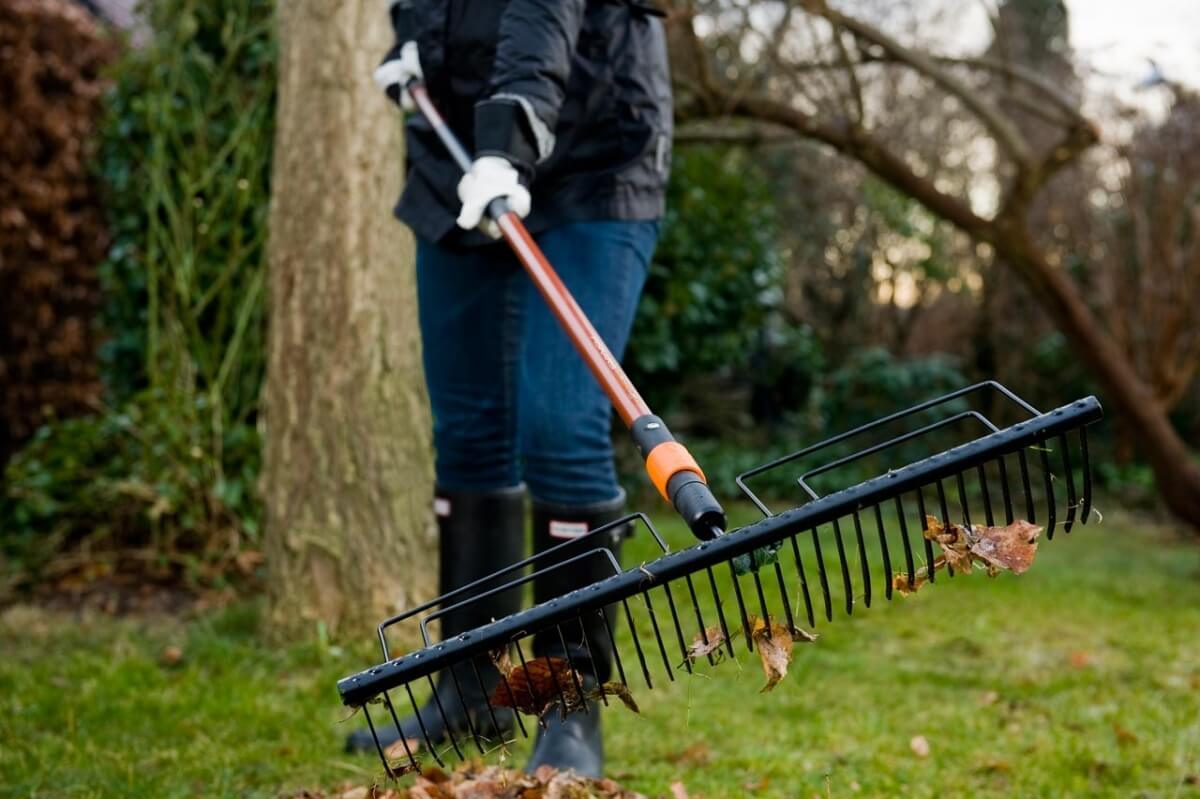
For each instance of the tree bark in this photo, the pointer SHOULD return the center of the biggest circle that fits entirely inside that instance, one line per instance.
(347, 473)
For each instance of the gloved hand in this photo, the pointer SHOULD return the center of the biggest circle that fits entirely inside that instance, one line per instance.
(395, 73)
(490, 177)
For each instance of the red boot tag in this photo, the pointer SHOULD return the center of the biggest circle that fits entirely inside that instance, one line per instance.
(567, 530)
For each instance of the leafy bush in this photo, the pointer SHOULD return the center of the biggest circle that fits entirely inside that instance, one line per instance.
(185, 154)
(137, 480)
(716, 275)
(52, 232)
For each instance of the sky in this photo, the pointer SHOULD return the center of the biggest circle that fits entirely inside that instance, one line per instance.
(1119, 35)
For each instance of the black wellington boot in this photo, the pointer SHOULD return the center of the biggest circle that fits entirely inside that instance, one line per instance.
(479, 533)
(575, 742)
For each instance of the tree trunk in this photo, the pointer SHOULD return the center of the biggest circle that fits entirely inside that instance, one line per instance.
(1175, 470)
(347, 473)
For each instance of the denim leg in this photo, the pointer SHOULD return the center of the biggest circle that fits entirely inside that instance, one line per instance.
(470, 306)
(565, 417)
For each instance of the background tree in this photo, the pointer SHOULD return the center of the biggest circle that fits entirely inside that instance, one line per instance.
(832, 77)
(347, 452)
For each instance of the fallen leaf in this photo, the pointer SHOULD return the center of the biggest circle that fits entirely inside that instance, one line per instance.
(774, 645)
(989, 698)
(919, 745)
(706, 643)
(1080, 659)
(678, 791)
(618, 689)
(1124, 736)
(171, 656)
(695, 755)
(902, 584)
(397, 751)
(755, 786)
(537, 685)
(1011, 547)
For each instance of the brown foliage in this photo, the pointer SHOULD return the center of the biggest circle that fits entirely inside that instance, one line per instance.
(52, 232)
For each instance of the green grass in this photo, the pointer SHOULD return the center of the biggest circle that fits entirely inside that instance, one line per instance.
(1079, 678)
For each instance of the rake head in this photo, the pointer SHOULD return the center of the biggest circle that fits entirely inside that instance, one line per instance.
(837, 552)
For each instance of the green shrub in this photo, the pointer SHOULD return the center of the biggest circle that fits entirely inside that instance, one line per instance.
(716, 276)
(138, 481)
(184, 154)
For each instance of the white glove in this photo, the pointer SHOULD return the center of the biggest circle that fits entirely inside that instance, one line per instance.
(490, 177)
(394, 74)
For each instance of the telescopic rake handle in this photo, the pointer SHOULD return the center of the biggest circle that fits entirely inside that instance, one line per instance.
(670, 466)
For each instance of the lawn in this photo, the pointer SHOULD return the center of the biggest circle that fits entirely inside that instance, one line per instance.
(1079, 678)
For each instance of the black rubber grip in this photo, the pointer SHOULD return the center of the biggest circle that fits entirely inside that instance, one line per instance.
(695, 503)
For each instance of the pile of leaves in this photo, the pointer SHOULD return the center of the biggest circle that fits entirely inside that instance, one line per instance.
(996, 549)
(478, 781)
(52, 230)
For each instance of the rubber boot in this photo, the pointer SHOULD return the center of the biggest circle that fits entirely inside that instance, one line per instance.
(574, 741)
(478, 533)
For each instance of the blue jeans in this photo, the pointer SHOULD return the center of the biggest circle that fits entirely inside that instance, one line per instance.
(511, 397)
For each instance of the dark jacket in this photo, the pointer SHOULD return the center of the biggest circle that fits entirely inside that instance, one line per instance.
(594, 74)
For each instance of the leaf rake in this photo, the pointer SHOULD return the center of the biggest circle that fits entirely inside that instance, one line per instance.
(980, 455)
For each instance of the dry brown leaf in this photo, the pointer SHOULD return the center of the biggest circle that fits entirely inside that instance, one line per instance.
(919, 745)
(1010, 548)
(618, 689)
(708, 642)
(774, 645)
(171, 656)
(678, 791)
(902, 584)
(695, 755)
(537, 685)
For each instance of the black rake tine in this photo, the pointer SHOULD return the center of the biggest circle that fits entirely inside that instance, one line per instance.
(533, 693)
(762, 598)
(712, 583)
(637, 643)
(821, 575)
(612, 642)
(887, 558)
(1030, 511)
(1005, 490)
(699, 617)
(437, 700)
(846, 584)
(862, 559)
(592, 659)
(1087, 476)
(945, 509)
(987, 497)
(783, 596)
(962, 498)
(921, 517)
(1070, 475)
(562, 697)
(412, 700)
(486, 697)
(562, 639)
(462, 700)
(908, 556)
(513, 695)
(378, 746)
(387, 700)
(808, 606)
(741, 601)
(1048, 478)
(662, 647)
(687, 662)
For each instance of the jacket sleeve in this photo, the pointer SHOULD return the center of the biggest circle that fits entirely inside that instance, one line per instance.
(404, 25)
(529, 79)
